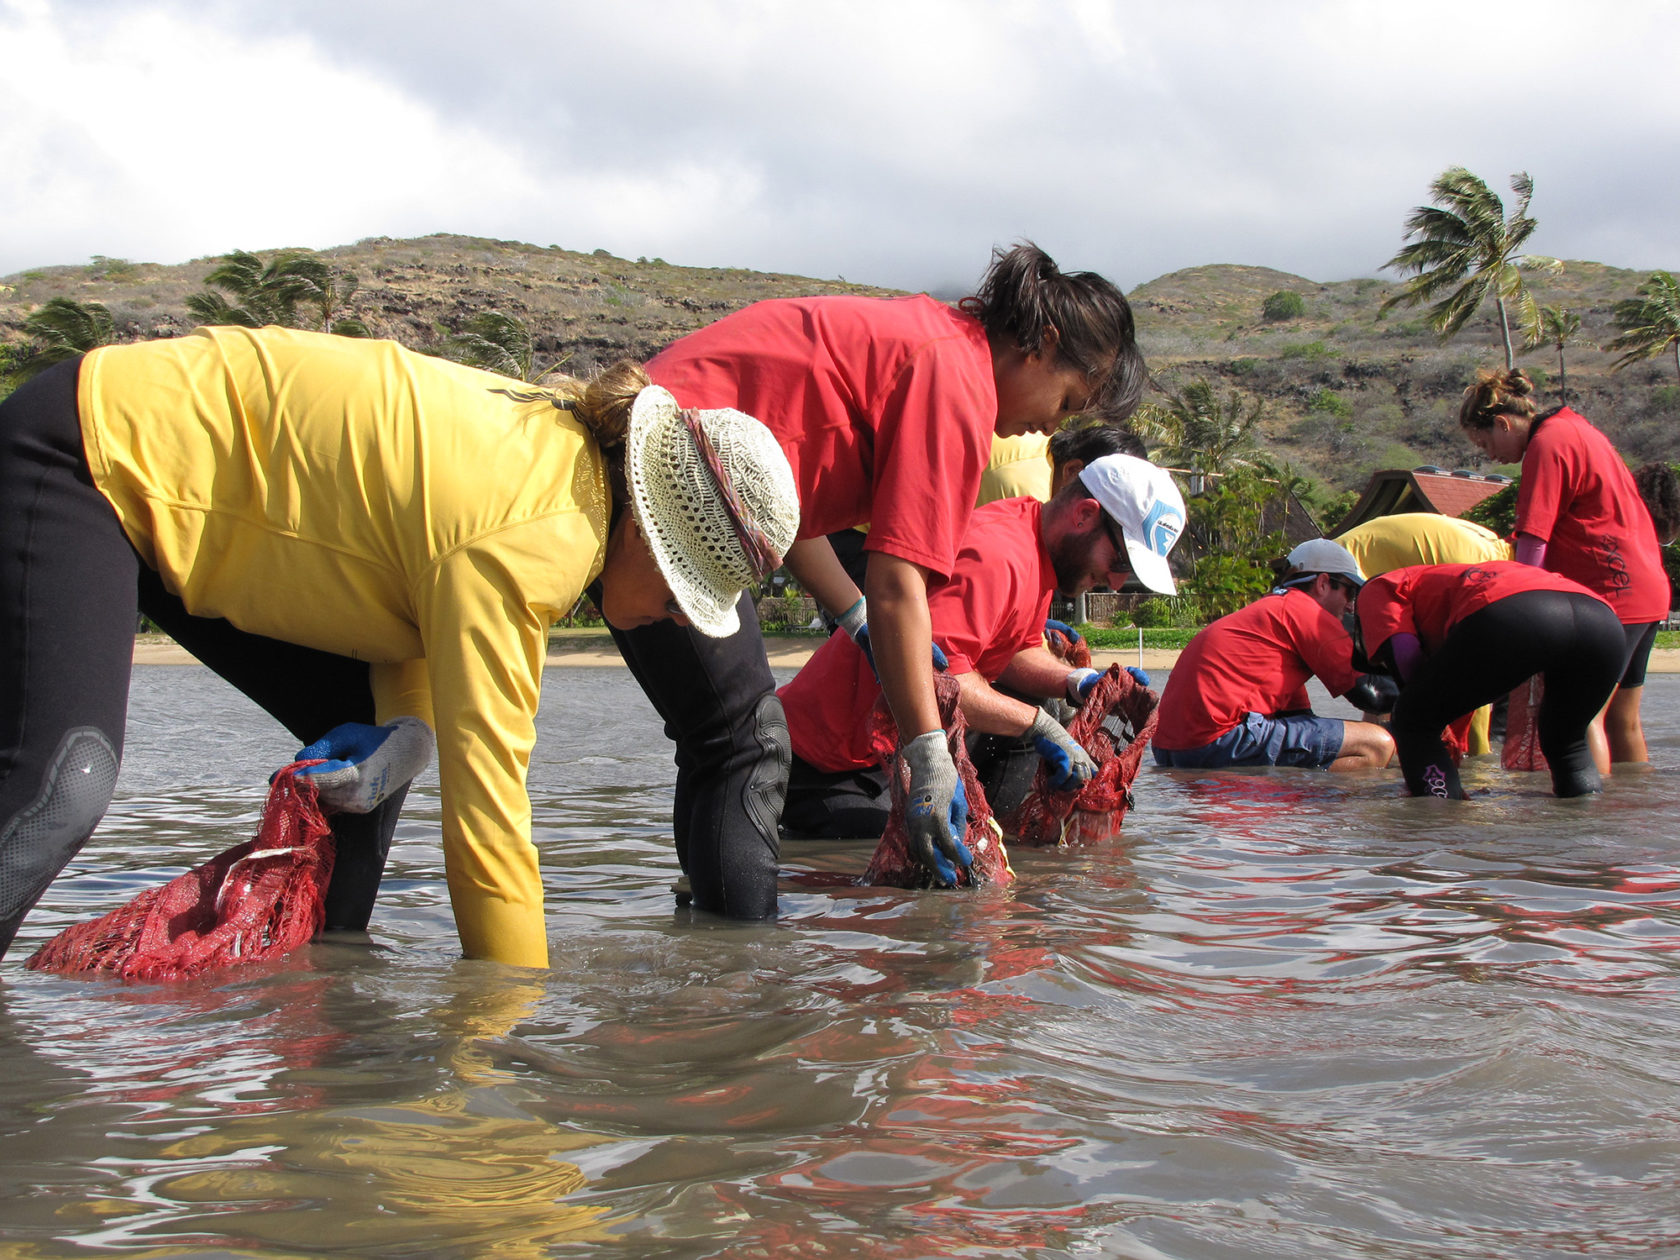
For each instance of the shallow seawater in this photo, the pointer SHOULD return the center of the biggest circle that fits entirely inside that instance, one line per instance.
(1286, 1014)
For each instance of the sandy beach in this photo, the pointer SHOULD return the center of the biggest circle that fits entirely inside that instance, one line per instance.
(790, 653)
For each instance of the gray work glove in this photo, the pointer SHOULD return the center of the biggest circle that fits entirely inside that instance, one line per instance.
(936, 809)
(1070, 765)
(361, 765)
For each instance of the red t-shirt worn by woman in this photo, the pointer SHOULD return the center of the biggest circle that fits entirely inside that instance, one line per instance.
(884, 406)
(1428, 600)
(1578, 497)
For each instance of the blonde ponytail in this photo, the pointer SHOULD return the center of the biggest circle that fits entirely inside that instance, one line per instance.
(602, 404)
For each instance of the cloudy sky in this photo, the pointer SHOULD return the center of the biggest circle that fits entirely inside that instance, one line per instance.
(887, 141)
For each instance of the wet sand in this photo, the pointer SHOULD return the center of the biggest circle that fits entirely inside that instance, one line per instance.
(789, 653)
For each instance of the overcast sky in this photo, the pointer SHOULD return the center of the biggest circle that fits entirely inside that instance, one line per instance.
(888, 141)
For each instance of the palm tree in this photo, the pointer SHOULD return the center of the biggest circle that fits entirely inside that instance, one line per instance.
(498, 343)
(331, 292)
(62, 328)
(1194, 430)
(1466, 247)
(266, 293)
(1650, 323)
(1559, 328)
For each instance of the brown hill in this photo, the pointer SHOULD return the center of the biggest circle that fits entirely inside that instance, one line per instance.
(1346, 391)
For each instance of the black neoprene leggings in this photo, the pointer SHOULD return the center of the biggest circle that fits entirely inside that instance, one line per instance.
(70, 588)
(718, 700)
(1573, 640)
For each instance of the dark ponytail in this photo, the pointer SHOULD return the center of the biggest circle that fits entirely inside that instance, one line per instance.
(1023, 295)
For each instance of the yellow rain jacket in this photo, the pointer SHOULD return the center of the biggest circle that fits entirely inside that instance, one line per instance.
(365, 500)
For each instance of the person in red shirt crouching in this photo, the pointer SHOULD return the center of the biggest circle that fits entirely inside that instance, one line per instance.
(1118, 515)
(1456, 636)
(1238, 694)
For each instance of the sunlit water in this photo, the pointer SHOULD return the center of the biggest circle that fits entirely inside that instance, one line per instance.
(1287, 1014)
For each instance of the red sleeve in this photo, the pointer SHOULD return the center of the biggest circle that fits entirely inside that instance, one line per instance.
(1545, 492)
(1382, 614)
(1325, 646)
(930, 449)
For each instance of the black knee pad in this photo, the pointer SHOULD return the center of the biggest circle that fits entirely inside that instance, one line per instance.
(766, 789)
(48, 832)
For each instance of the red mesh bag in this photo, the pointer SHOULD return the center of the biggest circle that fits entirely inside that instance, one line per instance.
(1521, 750)
(1117, 701)
(892, 864)
(1076, 652)
(256, 901)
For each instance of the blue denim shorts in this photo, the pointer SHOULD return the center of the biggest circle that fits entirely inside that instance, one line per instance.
(1262, 741)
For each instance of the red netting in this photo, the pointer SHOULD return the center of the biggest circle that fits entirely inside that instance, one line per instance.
(1095, 811)
(892, 863)
(258, 900)
(1522, 734)
(1076, 652)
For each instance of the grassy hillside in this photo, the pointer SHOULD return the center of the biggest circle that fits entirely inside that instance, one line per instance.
(1346, 392)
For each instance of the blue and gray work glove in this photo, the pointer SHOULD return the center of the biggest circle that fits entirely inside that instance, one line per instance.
(1080, 682)
(936, 809)
(854, 621)
(1070, 765)
(361, 765)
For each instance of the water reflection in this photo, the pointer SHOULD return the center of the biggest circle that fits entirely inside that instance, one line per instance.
(1282, 1014)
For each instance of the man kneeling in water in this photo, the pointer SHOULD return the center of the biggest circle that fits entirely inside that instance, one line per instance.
(1238, 695)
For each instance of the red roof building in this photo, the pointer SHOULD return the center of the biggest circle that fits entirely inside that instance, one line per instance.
(1426, 489)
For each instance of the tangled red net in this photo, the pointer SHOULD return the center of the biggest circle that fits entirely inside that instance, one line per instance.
(1114, 726)
(1521, 750)
(256, 901)
(892, 864)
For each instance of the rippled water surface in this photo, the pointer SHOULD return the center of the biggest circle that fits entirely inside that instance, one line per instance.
(1287, 1014)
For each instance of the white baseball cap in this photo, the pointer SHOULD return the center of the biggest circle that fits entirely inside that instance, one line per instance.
(1147, 506)
(1323, 555)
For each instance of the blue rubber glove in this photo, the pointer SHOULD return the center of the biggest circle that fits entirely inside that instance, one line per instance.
(1070, 765)
(361, 765)
(1079, 684)
(936, 809)
(1138, 676)
(1061, 630)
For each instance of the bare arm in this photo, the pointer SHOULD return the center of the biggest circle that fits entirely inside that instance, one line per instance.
(1036, 672)
(815, 566)
(991, 711)
(902, 636)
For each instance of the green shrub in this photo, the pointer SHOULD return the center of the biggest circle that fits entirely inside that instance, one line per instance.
(1305, 350)
(1159, 611)
(1282, 305)
(1331, 403)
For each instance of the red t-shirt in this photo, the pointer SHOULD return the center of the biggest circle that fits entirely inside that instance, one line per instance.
(1256, 660)
(991, 608)
(1428, 600)
(884, 406)
(1578, 496)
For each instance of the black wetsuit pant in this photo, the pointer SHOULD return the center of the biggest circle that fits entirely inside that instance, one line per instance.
(71, 586)
(1573, 640)
(718, 701)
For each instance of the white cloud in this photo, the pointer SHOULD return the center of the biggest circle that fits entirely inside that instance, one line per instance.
(886, 140)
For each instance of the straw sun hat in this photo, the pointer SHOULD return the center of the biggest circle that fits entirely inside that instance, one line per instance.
(714, 496)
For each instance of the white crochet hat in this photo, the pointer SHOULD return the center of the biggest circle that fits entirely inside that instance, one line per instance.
(714, 496)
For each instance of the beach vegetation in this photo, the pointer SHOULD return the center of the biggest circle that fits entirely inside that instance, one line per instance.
(1283, 305)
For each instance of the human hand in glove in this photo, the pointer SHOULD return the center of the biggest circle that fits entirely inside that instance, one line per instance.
(1070, 765)
(936, 809)
(1080, 682)
(854, 621)
(361, 765)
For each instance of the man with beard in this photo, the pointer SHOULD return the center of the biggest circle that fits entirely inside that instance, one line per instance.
(1121, 515)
